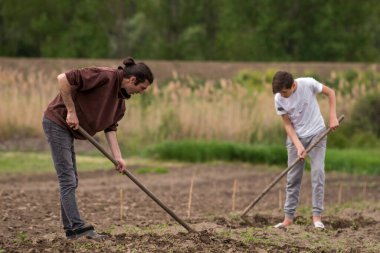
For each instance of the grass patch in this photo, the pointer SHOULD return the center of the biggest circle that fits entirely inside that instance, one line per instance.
(344, 160)
(30, 162)
(147, 170)
(353, 160)
(203, 151)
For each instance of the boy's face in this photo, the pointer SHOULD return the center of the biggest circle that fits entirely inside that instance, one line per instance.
(288, 92)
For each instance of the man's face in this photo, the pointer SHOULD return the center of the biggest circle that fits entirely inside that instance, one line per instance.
(288, 92)
(136, 89)
(140, 88)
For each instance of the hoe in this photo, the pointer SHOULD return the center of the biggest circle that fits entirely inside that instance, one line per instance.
(134, 179)
(278, 178)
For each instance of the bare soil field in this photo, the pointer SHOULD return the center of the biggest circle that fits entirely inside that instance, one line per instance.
(29, 212)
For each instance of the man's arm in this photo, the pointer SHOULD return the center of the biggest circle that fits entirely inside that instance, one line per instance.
(115, 149)
(293, 136)
(334, 122)
(65, 90)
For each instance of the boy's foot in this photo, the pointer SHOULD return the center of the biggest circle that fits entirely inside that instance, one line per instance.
(318, 222)
(287, 222)
(280, 226)
(319, 225)
(87, 230)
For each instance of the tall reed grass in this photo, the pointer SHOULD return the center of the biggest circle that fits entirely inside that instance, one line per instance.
(240, 109)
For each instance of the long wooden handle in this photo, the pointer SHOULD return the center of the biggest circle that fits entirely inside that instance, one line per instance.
(134, 179)
(278, 178)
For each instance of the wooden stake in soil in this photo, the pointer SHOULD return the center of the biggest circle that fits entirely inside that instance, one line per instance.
(234, 187)
(121, 204)
(190, 197)
(364, 192)
(340, 194)
(279, 199)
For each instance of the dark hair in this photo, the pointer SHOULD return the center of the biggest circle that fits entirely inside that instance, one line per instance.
(139, 70)
(282, 80)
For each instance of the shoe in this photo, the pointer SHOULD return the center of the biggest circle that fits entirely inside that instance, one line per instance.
(93, 235)
(319, 224)
(87, 230)
(280, 226)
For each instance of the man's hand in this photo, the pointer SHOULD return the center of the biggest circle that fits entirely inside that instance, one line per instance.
(122, 166)
(72, 120)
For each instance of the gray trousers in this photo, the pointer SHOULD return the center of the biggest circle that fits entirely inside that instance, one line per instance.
(294, 177)
(61, 144)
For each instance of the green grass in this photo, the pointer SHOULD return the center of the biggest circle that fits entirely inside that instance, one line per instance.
(353, 160)
(361, 161)
(30, 162)
(147, 170)
(202, 151)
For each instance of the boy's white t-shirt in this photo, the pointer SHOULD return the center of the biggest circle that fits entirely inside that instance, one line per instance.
(302, 107)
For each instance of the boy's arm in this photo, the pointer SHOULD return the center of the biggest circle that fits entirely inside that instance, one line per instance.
(293, 137)
(334, 122)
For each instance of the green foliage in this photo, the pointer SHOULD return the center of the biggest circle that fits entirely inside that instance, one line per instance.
(192, 30)
(202, 151)
(366, 117)
(346, 160)
(249, 79)
(350, 135)
(353, 161)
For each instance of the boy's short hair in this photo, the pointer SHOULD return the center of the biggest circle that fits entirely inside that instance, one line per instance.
(282, 80)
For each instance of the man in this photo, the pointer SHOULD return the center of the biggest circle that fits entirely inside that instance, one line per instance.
(93, 98)
(296, 102)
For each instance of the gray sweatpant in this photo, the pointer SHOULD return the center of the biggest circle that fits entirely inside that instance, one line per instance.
(62, 150)
(294, 177)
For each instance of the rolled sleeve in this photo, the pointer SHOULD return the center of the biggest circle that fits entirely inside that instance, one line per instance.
(112, 128)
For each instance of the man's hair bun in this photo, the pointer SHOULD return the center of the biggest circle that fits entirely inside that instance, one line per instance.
(128, 62)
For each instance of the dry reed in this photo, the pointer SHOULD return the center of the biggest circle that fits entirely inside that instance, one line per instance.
(182, 109)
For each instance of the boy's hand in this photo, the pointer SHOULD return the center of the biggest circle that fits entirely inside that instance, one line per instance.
(334, 123)
(301, 152)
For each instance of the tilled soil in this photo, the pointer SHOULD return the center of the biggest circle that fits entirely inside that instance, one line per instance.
(30, 218)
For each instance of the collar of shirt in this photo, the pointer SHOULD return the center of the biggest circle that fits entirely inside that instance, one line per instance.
(122, 92)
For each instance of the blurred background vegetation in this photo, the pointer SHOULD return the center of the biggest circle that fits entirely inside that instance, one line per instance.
(218, 114)
(240, 30)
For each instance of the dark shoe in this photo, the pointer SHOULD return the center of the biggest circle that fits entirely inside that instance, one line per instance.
(87, 230)
(93, 235)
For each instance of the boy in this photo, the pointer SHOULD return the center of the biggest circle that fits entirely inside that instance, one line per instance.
(295, 100)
